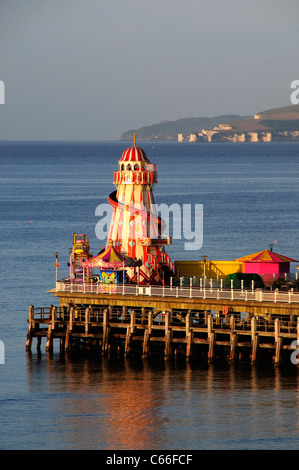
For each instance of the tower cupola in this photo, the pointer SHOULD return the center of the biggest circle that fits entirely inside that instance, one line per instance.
(135, 168)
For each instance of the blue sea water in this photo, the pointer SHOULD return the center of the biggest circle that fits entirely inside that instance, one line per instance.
(49, 191)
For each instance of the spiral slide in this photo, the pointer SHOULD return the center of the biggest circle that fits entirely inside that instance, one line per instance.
(150, 215)
(163, 258)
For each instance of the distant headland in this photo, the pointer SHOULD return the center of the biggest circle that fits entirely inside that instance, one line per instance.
(278, 124)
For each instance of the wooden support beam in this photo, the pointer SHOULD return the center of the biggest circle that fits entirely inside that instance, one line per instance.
(145, 347)
(132, 321)
(189, 344)
(128, 341)
(67, 344)
(278, 348)
(254, 349)
(49, 344)
(71, 320)
(276, 329)
(105, 331)
(253, 328)
(166, 322)
(232, 323)
(87, 317)
(278, 342)
(188, 323)
(233, 347)
(168, 342)
(124, 314)
(30, 328)
(150, 321)
(31, 314)
(53, 317)
(211, 351)
(210, 326)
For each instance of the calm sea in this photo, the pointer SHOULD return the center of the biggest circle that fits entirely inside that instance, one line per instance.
(49, 191)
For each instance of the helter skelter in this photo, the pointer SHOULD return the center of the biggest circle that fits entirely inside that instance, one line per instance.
(136, 230)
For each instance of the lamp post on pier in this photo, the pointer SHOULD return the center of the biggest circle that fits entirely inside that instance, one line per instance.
(70, 250)
(204, 270)
(56, 263)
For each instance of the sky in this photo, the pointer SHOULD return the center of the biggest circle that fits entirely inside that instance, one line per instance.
(93, 69)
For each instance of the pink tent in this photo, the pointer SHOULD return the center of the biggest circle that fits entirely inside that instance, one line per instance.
(267, 264)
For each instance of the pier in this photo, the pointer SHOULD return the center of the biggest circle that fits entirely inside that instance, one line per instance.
(123, 301)
(198, 324)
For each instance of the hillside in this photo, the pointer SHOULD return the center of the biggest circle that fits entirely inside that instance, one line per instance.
(277, 124)
(283, 114)
(169, 130)
(277, 119)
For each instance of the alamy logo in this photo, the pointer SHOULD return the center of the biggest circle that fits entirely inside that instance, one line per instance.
(295, 95)
(2, 352)
(179, 223)
(294, 355)
(2, 92)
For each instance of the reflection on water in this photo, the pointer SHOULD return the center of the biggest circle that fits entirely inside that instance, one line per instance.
(103, 404)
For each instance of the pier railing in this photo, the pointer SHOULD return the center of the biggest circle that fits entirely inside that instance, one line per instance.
(258, 295)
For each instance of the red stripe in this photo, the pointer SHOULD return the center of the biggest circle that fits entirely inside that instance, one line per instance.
(134, 154)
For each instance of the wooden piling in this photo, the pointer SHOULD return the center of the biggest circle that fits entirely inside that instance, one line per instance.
(105, 331)
(128, 341)
(145, 348)
(53, 316)
(189, 344)
(278, 347)
(87, 315)
(132, 321)
(168, 336)
(67, 343)
(71, 320)
(211, 338)
(168, 344)
(233, 347)
(150, 321)
(30, 328)
(211, 351)
(254, 349)
(253, 328)
(49, 344)
(278, 342)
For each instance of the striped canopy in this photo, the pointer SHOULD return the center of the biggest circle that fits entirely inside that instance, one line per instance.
(108, 258)
(266, 256)
(134, 154)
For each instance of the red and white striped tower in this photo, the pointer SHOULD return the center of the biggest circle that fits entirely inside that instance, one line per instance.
(135, 229)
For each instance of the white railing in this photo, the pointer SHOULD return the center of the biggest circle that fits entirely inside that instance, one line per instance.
(258, 295)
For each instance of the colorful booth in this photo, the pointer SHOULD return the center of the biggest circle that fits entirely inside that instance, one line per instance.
(111, 266)
(268, 264)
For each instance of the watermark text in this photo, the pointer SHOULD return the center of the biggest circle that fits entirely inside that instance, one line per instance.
(295, 354)
(2, 352)
(295, 94)
(2, 92)
(178, 222)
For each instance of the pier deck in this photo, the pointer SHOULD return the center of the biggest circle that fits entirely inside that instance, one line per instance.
(170, 322)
